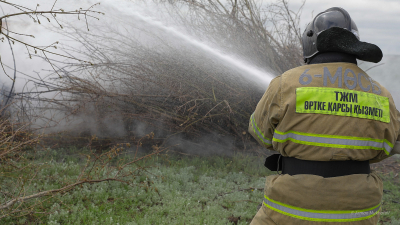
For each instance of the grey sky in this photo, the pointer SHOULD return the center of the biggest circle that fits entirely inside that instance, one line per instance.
(378, 21)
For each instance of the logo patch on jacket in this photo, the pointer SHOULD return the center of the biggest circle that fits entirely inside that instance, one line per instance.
(342, 102)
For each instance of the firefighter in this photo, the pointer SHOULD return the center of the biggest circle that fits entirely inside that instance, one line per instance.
(328, 120)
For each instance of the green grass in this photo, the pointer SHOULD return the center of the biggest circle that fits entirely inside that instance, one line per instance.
(391, 199)
(177, 190)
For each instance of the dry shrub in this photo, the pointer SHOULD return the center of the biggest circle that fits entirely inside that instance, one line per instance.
(169, 87)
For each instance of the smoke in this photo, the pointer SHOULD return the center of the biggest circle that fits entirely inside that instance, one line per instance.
(211, 144)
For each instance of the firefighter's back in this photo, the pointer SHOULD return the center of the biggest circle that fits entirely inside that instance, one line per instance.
(328, 112)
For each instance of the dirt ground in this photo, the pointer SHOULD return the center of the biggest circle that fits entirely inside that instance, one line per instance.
(388, 165)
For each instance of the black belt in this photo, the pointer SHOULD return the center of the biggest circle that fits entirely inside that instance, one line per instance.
(293, 166)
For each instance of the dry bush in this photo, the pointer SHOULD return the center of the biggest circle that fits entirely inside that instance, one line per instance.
(183, 93)
(178, 91)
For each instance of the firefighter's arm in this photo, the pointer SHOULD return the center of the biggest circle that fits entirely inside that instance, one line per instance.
(267, 114)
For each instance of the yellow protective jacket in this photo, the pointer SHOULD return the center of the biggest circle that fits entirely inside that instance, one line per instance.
(324, 112)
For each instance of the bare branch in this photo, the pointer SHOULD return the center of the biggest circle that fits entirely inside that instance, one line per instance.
(50, 192)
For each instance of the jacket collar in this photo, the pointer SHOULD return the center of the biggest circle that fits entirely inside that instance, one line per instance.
(331, 57)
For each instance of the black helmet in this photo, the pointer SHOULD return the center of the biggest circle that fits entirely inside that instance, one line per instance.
(334, 31)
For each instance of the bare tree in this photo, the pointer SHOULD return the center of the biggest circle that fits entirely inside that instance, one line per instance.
(36, 15)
